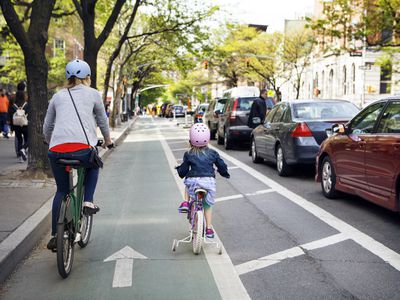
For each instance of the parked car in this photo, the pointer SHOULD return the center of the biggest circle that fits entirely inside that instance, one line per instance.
(363, 157)
(211, 116)
(293, 131)
(199, 112)
(232, 123)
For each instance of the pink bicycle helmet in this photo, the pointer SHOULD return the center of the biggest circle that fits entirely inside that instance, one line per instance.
(199, 135)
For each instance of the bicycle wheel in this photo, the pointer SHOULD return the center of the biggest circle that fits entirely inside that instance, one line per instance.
(65, 240)
(198, 228)
(86, 230)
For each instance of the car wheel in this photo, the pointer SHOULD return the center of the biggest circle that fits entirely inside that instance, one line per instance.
(227, 141)
(254, 157)
(328, 178)
(283, 168)
(220, 140)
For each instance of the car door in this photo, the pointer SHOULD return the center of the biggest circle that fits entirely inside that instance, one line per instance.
(223, 118)
(261, 134)
(272, 131)
(382, 156)
(349, 150)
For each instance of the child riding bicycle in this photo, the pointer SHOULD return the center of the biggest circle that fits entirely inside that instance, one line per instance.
(198, 171)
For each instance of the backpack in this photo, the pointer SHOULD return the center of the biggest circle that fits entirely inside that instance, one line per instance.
(20, 118)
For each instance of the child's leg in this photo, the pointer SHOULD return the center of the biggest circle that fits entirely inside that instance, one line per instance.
(186, 194)
(208, 216)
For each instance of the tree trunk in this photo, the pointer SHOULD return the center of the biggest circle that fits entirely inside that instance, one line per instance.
(36, 69)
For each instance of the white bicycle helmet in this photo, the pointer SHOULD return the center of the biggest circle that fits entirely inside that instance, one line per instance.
(77, 68)
(199, 135)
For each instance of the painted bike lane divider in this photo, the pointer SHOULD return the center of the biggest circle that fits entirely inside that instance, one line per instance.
(124, 266)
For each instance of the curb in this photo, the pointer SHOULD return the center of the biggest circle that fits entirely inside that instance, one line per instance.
(21, 242)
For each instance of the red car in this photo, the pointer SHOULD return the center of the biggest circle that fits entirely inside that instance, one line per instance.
(363, 157)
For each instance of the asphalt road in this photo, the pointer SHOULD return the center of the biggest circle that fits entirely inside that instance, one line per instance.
(282, 239)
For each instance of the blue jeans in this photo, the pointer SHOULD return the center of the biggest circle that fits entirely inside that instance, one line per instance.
(3, 123)
(62, 180)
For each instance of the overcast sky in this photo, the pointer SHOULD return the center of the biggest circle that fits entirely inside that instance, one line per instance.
(265, 12)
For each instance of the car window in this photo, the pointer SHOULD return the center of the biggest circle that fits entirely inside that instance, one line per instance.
(220, 104)
(390, 121)
(245, 103)
(270, 115)
(324, 110)
(287, 117)
(365, 121)
(279, 113)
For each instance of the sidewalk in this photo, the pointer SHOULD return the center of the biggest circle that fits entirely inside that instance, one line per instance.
(26, 205)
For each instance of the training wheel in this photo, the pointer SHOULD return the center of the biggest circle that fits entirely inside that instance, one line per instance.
(174, 246)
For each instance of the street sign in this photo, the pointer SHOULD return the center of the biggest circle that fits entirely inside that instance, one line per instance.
(124, 266)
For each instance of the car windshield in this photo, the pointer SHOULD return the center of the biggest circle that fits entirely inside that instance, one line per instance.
(324, 110)
(220, 104)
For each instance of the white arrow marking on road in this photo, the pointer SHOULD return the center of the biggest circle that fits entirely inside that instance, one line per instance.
(124, 266)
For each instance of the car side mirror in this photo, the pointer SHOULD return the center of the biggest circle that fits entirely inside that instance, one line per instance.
(338, 129)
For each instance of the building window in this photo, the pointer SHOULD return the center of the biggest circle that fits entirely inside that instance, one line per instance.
(386, 79)
(330, 84)
(59, 47)
(344, 81)
(353, 79)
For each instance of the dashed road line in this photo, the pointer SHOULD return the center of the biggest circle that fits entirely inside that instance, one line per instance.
(238, 196)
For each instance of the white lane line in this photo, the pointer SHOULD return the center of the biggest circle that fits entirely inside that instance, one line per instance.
(226, 278)
(238, 196)
(178, 142)
(220, 199)
(377, 248)
(234, 167)
(179, 149)
(275, 258)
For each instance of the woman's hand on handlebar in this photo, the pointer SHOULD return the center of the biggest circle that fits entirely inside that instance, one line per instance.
(108, 143)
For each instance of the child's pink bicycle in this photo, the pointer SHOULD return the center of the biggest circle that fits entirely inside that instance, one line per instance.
(197, 222)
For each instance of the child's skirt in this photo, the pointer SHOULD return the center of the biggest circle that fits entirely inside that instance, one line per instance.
(207, 183)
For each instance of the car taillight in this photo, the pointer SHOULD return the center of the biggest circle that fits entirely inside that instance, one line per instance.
(301, 130)
(233, 112)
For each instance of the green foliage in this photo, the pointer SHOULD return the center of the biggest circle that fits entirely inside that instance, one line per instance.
(14, 69)
(57, 65)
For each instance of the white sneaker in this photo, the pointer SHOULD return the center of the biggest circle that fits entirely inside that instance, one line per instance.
(21, 160)
(23, 154)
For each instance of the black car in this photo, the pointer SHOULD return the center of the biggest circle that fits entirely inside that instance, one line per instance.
(199, 112)
(232, 124)
(293, 131)
(211, 116)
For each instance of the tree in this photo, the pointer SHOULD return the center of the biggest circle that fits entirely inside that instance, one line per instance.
(87, 12)
(32, 41)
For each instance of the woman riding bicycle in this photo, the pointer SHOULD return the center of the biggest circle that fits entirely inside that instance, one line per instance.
(64, 133)
(198, 169)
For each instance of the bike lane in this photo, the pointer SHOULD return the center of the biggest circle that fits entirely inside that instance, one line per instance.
(129, 255)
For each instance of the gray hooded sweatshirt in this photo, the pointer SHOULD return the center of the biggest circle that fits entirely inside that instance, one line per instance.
(62, 125)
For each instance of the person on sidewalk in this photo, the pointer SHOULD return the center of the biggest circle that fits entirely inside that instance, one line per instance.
(4, 104)
(18, 120)
(71, 134)
(198, 170)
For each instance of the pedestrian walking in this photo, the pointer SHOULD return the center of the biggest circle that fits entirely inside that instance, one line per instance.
(198, 171)
(4, 105)
(70, 129)
(259, 109)
(18, 120)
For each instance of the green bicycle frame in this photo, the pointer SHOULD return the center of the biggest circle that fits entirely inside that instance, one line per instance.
(75, 198)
